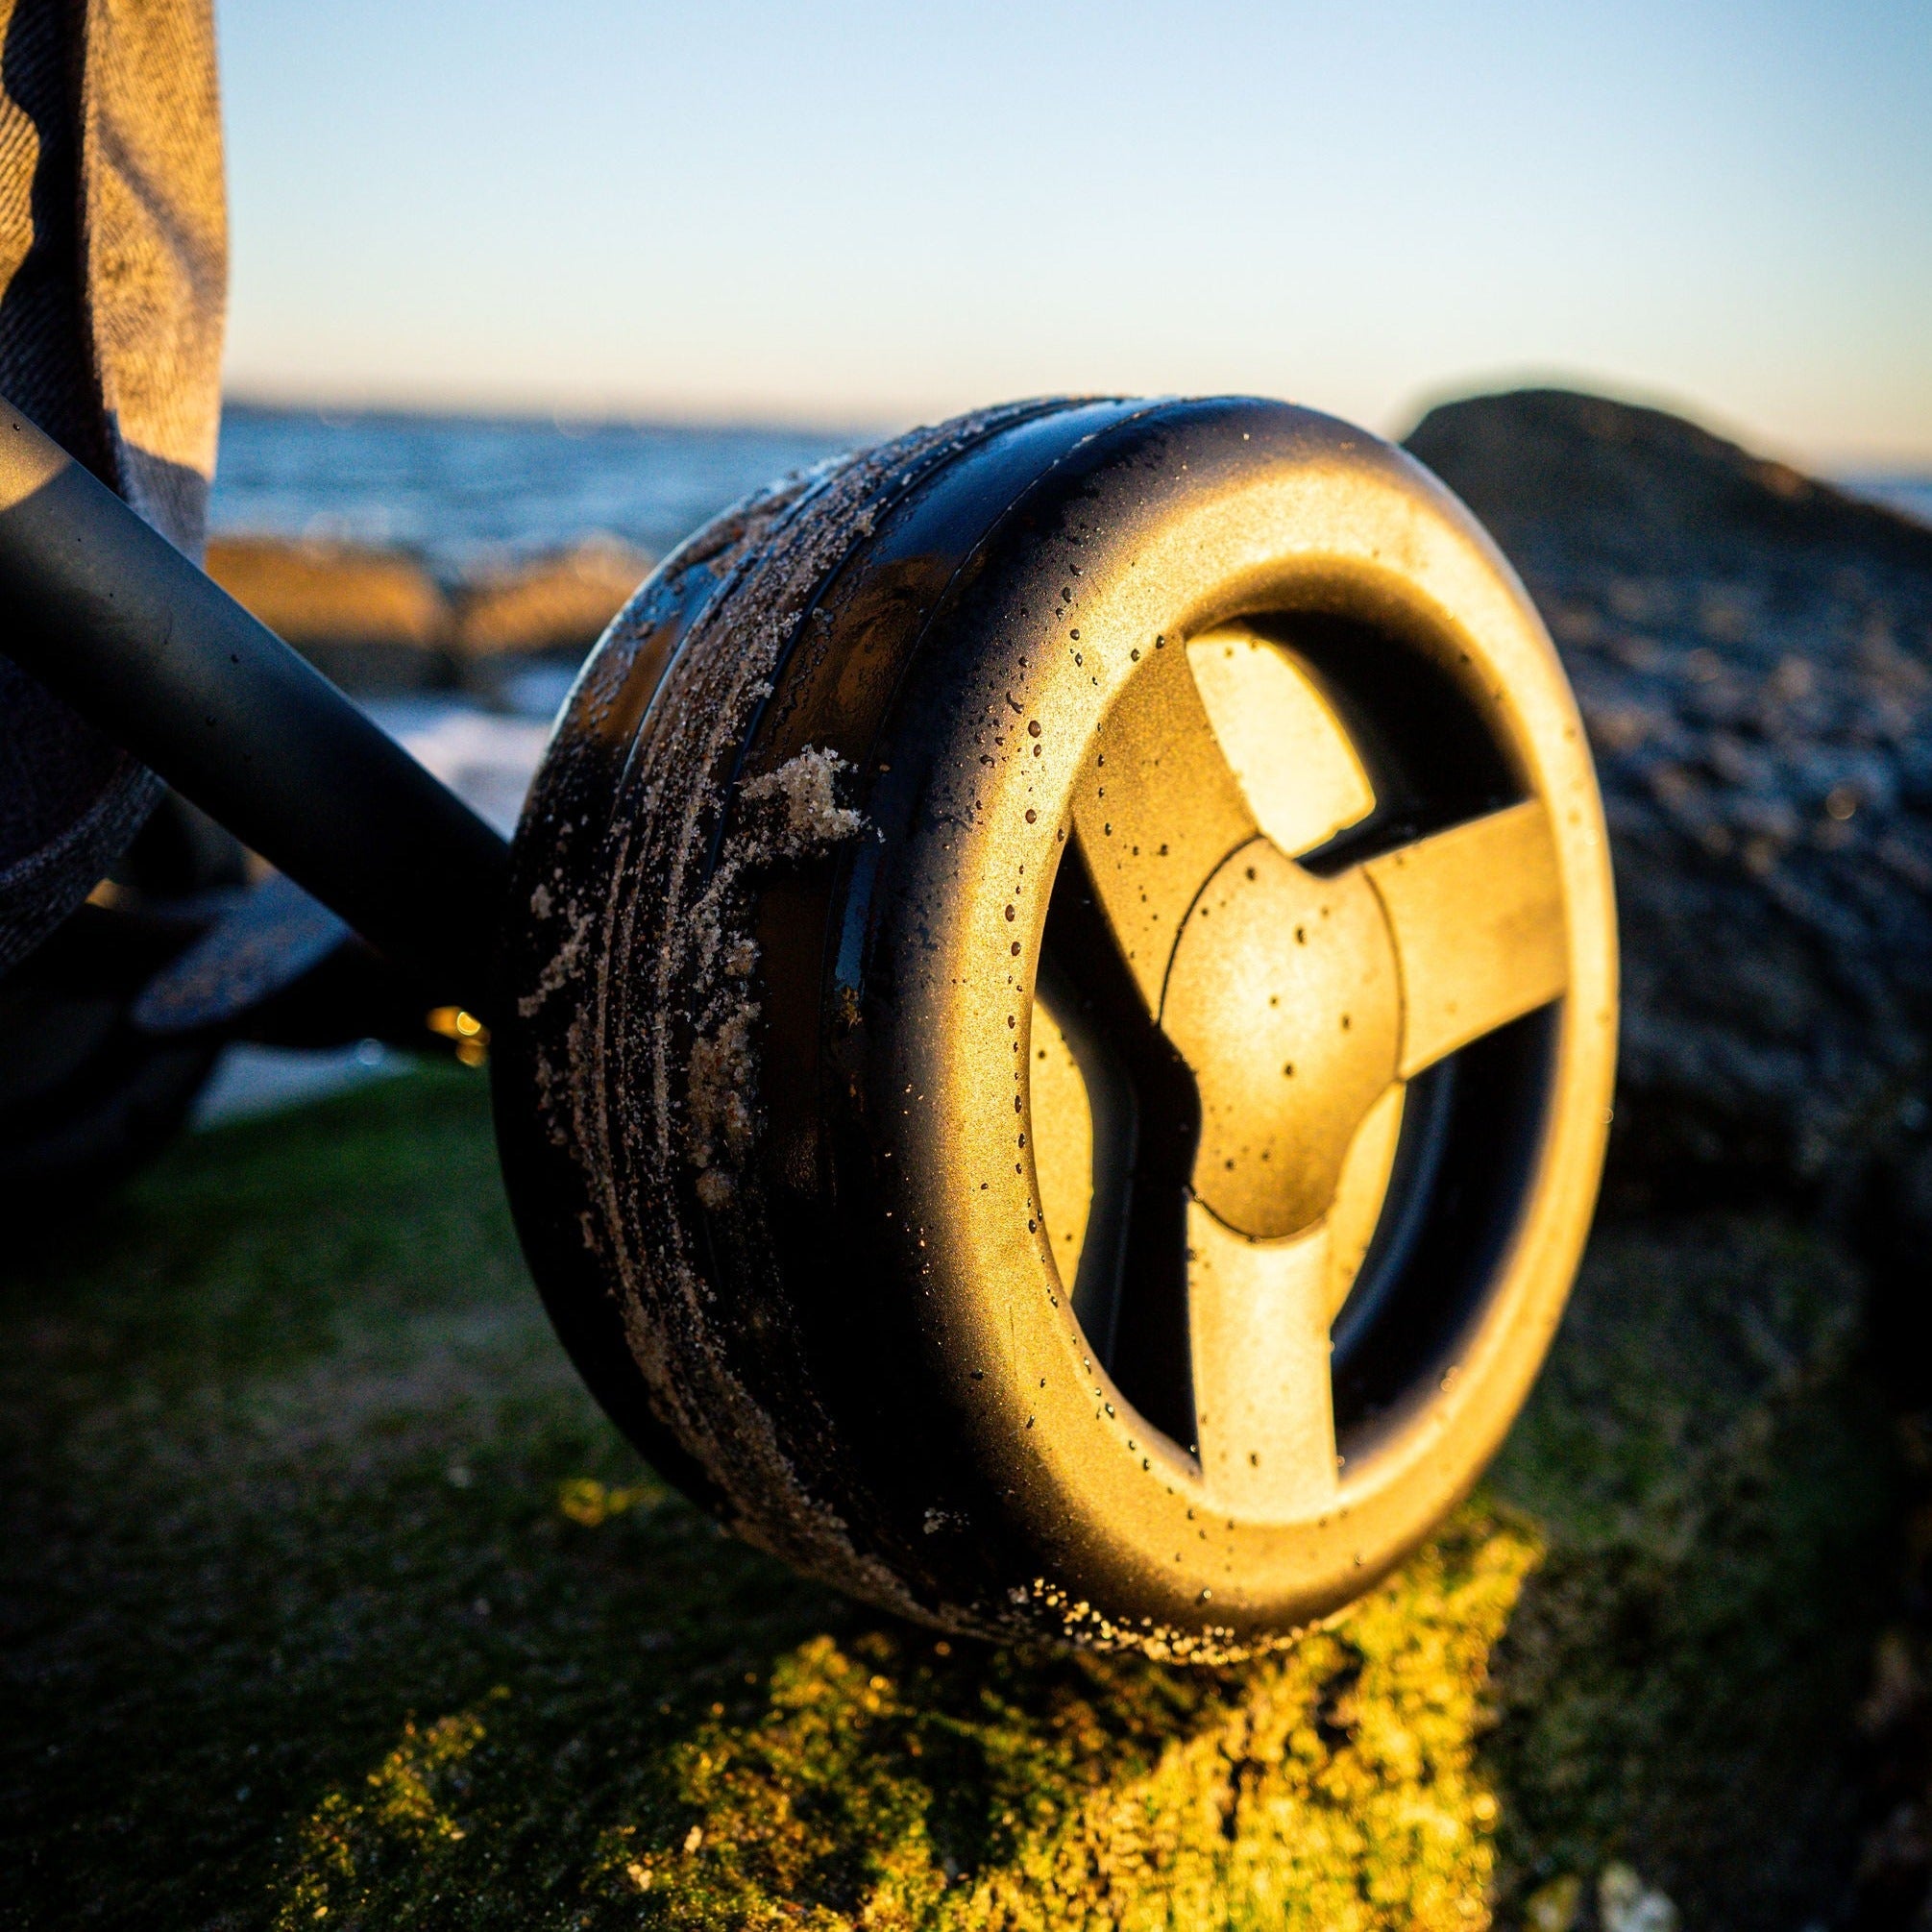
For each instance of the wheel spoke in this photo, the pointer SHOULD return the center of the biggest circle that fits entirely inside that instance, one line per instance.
(1477, 917)
(1290, 754)
(1259, 1336)
(1205, 747)
(1156, 810)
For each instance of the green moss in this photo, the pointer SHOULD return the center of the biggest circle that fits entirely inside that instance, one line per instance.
(1715, 1477)
(330, 1600)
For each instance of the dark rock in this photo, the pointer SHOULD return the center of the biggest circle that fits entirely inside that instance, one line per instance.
(1752, 651)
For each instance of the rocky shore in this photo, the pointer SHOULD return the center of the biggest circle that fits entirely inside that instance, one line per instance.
(378, 623)
(330, 1599)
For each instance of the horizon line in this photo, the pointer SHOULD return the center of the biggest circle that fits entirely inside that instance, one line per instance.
(864, 427)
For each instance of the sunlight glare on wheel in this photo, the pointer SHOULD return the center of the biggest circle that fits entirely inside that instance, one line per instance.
(1282, 740)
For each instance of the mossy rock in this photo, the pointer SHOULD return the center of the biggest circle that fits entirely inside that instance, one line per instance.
(332, 1599)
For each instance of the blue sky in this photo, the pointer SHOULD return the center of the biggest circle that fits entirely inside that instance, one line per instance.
(864, 214)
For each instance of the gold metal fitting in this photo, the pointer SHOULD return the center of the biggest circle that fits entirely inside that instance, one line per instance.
(470, 1036)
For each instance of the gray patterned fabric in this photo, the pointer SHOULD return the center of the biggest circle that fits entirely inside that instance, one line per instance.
(113, 264)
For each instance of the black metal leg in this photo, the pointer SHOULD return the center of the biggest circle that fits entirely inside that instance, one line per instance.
(113, 618)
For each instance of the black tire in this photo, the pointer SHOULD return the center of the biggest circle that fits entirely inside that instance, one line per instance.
(794, 869)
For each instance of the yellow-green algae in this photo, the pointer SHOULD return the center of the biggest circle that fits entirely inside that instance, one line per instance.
(330, 1599)
(893, 1781)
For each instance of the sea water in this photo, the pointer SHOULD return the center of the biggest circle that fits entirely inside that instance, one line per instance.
(467, 490)
(1910, 495)
(464, 490)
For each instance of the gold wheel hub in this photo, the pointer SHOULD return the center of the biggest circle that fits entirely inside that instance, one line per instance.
(1302, 1002)
(1283, 997)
